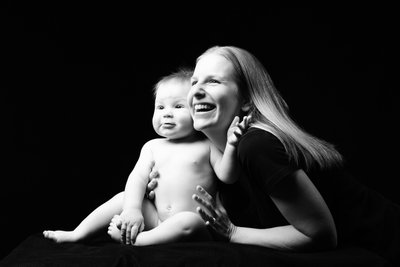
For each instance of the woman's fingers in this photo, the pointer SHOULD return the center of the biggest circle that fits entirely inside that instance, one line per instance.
(207, 201)
(219, 204)
(150, 187)
(206, 204)
(152, 184)
(204, 193)
(215, 224)
(153, 176)
(204, 215)
(151, 195)
(213, 213)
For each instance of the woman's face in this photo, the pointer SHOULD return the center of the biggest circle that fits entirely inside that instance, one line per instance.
(214, 96)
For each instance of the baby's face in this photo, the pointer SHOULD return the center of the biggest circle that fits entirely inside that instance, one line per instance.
(171, 117)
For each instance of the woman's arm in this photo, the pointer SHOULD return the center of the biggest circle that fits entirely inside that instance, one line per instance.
(304, 208)
(311, 223)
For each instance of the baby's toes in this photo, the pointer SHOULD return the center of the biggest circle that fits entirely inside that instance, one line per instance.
(49, 234)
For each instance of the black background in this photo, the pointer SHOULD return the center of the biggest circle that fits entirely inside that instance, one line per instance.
(76, 92)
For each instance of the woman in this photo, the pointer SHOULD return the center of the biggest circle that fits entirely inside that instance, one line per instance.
(293, 194)
(230, 82)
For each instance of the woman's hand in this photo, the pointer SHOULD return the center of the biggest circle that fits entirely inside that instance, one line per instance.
(214, 214)
(153, 176)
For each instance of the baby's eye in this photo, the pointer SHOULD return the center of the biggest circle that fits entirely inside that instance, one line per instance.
(159, 107)
(179, 106)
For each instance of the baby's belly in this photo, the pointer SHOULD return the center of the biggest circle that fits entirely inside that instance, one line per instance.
(172, 198)
(166, 209)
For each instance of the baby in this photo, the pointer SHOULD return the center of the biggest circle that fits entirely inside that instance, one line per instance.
(184, 158)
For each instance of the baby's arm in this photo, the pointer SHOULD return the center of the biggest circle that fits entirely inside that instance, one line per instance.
(132, 221)
(225, 164)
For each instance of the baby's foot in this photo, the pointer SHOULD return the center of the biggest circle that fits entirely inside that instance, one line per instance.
(61, 236)
(113, 231)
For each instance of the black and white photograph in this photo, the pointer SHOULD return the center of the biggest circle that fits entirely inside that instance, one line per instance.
(198, 134)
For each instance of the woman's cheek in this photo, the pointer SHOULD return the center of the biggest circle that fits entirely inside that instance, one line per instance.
(231, 110)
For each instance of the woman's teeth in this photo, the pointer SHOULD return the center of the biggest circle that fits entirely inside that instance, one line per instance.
(203, 107)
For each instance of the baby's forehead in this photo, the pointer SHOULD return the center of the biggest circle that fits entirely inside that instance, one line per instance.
(175, 88)
(171, 98)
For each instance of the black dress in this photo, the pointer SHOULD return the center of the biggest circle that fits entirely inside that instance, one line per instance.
(362, 216)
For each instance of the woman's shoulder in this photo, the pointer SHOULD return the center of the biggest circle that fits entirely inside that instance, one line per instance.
(258, 132)
(258, 139)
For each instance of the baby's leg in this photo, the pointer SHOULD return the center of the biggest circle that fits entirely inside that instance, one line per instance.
(96, 220)
(150, 220)
(182, 226)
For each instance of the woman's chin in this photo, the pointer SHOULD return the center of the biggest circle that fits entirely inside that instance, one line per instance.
(198, 126)
(201, 126)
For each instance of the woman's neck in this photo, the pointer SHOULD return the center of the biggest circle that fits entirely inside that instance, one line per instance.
(218, 139)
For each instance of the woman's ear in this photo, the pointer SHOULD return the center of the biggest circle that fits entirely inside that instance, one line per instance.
(246, 107)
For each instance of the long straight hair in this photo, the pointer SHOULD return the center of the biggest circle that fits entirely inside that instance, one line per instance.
(269, 110)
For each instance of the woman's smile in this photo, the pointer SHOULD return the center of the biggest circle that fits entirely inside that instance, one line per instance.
(203, 107)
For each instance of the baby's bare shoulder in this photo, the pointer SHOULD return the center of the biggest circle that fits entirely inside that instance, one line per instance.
(153, 144)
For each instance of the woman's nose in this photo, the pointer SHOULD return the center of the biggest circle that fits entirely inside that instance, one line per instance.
(198, 92)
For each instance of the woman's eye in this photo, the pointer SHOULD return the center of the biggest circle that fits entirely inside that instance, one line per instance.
(193, 82)
(212, 81)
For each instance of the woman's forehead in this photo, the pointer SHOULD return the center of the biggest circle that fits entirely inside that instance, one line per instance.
(213, 64)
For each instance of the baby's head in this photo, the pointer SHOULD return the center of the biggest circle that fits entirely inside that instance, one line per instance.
(171, 117)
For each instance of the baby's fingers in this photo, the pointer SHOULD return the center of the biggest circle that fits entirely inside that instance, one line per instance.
(234, 122)
(244, 123)
(133, 234)
(123, 233)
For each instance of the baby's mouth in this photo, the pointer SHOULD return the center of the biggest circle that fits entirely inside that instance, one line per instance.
(168, 125)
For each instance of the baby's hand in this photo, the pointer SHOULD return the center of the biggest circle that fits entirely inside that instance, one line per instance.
(236, 129)
(132, 223)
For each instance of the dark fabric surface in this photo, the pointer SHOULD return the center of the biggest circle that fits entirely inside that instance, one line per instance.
(38, 251)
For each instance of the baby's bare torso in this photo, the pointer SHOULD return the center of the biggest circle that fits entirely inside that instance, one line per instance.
(181, 167)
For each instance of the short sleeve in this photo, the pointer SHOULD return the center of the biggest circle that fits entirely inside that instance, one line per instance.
(264, 159)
